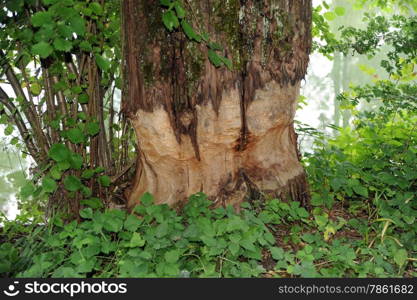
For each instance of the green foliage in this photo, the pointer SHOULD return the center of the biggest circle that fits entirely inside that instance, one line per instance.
(173, 18)
(270, 239)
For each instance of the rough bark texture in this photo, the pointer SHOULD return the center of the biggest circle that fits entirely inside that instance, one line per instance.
(219, 131)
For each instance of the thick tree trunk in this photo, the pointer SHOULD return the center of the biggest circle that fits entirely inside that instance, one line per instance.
(219, 131)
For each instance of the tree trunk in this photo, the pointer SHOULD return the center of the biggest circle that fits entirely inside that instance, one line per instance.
(224, 132)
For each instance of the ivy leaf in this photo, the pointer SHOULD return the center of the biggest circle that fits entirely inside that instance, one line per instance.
(72, 183)
(170, 20)
(189, 31)
(180, 11)
(227, 62)
(59, 152)
(41, 18)
(215, 46)
(102, 63)
(75, 135)
(42, 49)
(49, 185)
(214, 58)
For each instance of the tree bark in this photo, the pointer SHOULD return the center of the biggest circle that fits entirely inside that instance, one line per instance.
(200, 128)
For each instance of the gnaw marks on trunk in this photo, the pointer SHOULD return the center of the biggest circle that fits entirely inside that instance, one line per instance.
(219, 131)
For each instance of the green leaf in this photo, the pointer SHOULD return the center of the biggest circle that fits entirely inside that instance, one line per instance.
(180, 11)
(86, 213)
(75, 135)
(146, 199)
(277, 253)
(96, 8)
(214, 58)
(55, 172)
(360, 190)
(83, 98)
(92, 128)
(77, 25)
(63, 165)
(132, 223)
(48, 2)
(65, 272)
(189, 31)
(86, 191)
(35, 89)
(76, 161)
(72, 183)
(26, 35)
(104, 180)
(41, 18)
(42, 49)
(321, 220)
(85, 46)
(215, 46)
(14, 5)
(49, 185)
(234, 248)
(172, 256)
(165, 2)
(330, 16)
(62, 45)
(102, 62)
(8, 130)
(400, 257)
(87, 174)
(170, 20)
(302, 212)
(112, 224)
(227, 62)
(94, 203)
(64, 31)
(339, 10)
(136, 240)
(27, 190)
(59, 153)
